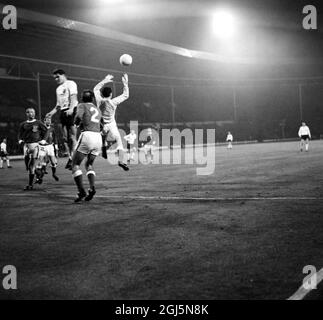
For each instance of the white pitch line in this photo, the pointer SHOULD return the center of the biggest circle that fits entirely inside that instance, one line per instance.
(166, 198)
(302, 292)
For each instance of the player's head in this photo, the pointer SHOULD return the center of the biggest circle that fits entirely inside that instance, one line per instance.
(4, 140)
(30, 113)
(59, 76)
(87, 96)
(106, 92)
(48, 121)
(303, 123)
(132, 131)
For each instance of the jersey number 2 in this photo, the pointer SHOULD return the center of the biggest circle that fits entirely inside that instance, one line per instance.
(95, 114)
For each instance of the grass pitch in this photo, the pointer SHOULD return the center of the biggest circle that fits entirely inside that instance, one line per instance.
(163, 232)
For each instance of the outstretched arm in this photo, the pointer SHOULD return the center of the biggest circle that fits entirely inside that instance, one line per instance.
(98, 87)
(125, 95)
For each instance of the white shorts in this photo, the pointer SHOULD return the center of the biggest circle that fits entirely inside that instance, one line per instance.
(113, 133)
(47, 150)
(31, 149)
(89, 142)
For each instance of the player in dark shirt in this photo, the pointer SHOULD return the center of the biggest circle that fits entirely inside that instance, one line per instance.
(47, 152)
(89, 144)
(31, 132)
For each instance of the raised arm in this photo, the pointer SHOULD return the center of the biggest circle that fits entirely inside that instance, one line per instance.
(98, 87)
(125, 94)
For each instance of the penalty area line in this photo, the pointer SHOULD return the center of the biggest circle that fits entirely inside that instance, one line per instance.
(167, 198)
(302, 291)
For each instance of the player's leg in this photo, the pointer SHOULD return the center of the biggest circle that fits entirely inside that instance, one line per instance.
(114, 131)
(33, 155)
(53, 164)
(104, 134)
(1, 162)
(301, 144)
(151, 154)
(77, 175)
(26, 157)
(8, 162)
(72, 142)
(90, 173)
(306, 144)
(39, 171)
(132, 153)
(65, 141)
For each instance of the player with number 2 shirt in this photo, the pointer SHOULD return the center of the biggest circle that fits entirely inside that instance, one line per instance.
(89, 144)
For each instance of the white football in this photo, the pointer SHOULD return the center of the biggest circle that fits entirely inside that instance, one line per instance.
(126, 60)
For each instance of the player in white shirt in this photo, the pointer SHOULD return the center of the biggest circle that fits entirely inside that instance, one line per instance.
(108, 106)
(305, 134)
(148, 146)
(4, 154)
(66, 103)
(229, 140)
(131, 138)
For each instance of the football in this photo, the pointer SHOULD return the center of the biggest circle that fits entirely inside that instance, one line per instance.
(126, 60)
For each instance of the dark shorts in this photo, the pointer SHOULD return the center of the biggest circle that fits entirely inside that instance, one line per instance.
(305, 137)
(66, 120)
(129, 146)
(3, 154)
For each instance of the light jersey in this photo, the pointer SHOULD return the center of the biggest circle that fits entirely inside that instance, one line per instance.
(108, 106)
(88, 116)
(64, 92)
(3, 147)
(130, 138)
(304, 131)
(229, 137)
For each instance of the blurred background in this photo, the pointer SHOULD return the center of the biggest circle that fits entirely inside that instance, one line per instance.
(245, 66)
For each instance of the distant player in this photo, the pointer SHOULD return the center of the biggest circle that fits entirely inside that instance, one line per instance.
(89, 144)
(108, 106)
(305, 134)
(131, 149)
(31, 133)
(149, 145)
(4, 154)
(229, 140)
(66, 102)
(48, 151)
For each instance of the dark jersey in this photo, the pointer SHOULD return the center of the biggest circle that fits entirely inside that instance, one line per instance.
(50, 136)
(32, 131)
(88, 116)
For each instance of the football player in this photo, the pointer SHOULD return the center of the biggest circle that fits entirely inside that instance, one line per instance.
(108, 106)
(88, 117)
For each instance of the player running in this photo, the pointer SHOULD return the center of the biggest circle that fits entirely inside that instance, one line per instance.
(229, 139)
(4, 154)
(66, 102)
(31, 133)
(48, 150)
(305, 134)
(131, 149)
(89, 144)
(108, 106)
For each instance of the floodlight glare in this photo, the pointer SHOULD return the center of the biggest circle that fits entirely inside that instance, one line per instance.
(223, 24)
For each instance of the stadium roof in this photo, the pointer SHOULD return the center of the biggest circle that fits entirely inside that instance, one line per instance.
(168, 40)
